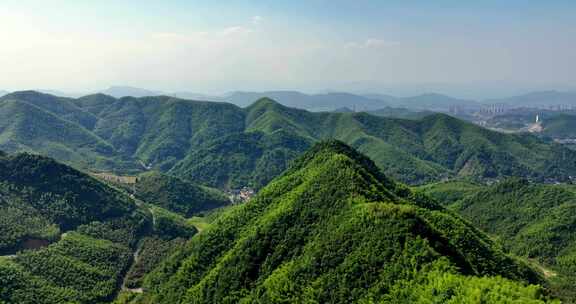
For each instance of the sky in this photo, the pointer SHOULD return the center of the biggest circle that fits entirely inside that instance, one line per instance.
(467, 48)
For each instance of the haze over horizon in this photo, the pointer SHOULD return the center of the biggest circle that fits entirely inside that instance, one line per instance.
(470, 50)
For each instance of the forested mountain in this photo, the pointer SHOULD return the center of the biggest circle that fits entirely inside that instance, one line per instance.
(532, 220)
(66, 237)
(222, 145)
(178, 195)
(333, 229)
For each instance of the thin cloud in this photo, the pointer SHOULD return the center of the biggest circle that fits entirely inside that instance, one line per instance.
(371, 43)
(236, 30)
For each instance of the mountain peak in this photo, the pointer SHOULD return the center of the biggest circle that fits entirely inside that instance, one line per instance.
(326, 215)
(28, 94)
(264, 101)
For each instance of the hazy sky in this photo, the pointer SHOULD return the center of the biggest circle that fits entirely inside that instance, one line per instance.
(205, 46)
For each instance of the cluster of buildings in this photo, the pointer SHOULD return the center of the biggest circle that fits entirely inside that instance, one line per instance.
(243, 195)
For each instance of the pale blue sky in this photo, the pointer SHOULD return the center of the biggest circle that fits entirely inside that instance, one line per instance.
(462, 47)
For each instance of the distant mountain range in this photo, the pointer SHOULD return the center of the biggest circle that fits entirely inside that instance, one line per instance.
(315, 102)
(360, 102)
(336, 101)
(123, 91)
(222, 145)
(539, 99)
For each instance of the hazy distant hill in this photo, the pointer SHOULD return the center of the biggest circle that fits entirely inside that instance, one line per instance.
(316, 102)
(2, 93)
(401, 113)
(123, 91)
(430, 101)
(539, 99)
(433, 101)
(222, 145)
(333, 229)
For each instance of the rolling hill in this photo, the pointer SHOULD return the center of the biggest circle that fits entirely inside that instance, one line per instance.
(333, 229)
(534, 221)
(66, 237)
(222, 145)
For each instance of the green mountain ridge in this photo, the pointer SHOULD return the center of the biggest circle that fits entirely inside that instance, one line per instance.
(188, 138)
(66, 237)
(333, 229)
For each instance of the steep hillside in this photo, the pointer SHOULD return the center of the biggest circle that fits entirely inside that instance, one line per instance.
(243, 159)
(333, 229)
(535, 221)
(178, 195)
(68, 238)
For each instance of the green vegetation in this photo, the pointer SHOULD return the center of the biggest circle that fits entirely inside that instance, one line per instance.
(333, 229)
(151, 252)
(449, 192)
(39, 198)
(237, 160)
(69, 238)
(178, 195)
(221, 145)
(535, 221)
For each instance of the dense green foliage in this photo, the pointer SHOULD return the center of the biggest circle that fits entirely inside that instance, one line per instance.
(333, 229)
(222, 145)
(237, 160)
(40, 197)
(151, 252)
(535, 221)
(178, 195)
(449, 192)
(69, 238)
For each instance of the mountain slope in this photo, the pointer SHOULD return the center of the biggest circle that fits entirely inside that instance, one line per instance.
(189, 138)
(66, 237)
(177, 195)
(535, 221)
(333, 229)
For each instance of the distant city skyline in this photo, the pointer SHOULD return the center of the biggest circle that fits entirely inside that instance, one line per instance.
(468, 49)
